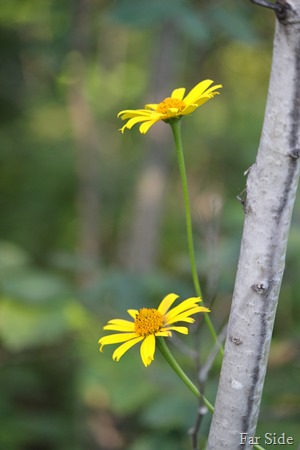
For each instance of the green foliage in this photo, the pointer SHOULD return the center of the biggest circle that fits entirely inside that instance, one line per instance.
(234, 23)
(143, 13)
(34, 287)
(23, 327)
(198, 24)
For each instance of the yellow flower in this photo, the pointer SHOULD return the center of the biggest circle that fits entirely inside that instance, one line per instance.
(148, 323)
(173, 107)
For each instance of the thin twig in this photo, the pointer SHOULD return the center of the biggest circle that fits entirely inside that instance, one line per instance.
(202, 377)
(178, 343)
(193, 432)
(265, 4)
(280, 7)
(203, 372)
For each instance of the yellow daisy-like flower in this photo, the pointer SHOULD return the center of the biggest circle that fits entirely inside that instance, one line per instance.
(173, 107)
(148, 323)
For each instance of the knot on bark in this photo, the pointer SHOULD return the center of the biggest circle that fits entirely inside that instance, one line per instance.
(235, 340)
(259, 288)
(242, 198)
(281, 10)
(280, 7)
(294, 154)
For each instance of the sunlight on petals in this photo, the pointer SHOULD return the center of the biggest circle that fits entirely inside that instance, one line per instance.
(197, 91)
(148, 350)
(166, 303)
(119, 352)
(149, 323)
(171, 108)
(178, 93)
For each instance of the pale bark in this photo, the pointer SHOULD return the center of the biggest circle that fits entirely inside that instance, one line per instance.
(86, 140)
(271, 190)
(138, 251)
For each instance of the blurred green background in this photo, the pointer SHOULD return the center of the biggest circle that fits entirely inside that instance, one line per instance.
(92, 221)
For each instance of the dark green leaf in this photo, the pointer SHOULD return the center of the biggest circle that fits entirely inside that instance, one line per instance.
(144, 12)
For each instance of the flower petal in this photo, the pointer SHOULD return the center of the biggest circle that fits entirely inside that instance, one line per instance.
(133, 312)
(213, 88)
(178, 93)
(129, 113)
(119, 352)
(164, 332)
(185, 316)
(172, 111)
(166, 303)
(197, 92)
(134, 121)
(180, 318)
(189, 109)
(200, 94)
(119, 325)
(182, 330)
(203, 100)
(145, 126)
(148, 349)
(116, 338)
(183, 306)
(151, 106)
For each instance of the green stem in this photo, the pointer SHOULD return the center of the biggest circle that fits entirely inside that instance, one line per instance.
(176, 129)
(162, 346)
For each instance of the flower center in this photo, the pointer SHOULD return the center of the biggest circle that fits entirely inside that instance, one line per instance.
(148, 321)
(168, 103)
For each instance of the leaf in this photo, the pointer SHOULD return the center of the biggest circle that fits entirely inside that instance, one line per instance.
(234, 23)
(11, 257)
(33, 286)
(194, 26)
(144, 12)
(151, 442)
(171, 410)
(23, 326)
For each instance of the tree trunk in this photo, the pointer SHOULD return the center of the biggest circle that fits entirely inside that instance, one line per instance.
(139, 251)
(271, 190)
(86, 139)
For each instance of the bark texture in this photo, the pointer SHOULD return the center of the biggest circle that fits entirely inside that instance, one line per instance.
(271, 190)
